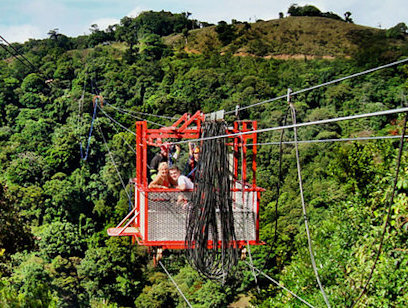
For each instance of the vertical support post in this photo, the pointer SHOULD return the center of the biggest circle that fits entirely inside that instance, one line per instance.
(236, 140)
(244, 150)
(254, 152)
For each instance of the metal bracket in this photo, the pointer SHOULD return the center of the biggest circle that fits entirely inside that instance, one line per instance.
(215, 116)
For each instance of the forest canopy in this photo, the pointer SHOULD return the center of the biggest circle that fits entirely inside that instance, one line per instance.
(56, 206)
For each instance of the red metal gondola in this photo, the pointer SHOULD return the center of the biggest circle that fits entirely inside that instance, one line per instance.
(157, 220)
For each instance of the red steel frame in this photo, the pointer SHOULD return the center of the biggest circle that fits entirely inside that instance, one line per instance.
(184, 129)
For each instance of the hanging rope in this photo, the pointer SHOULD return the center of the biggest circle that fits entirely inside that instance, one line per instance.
(391, 202)
(175, 284)
(210, 217)
(293, 111)
(85, 157)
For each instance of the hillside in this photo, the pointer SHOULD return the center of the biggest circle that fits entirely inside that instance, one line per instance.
(65, 165)
(290, 37)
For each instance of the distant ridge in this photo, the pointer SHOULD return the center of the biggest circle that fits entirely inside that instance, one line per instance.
(290, 38)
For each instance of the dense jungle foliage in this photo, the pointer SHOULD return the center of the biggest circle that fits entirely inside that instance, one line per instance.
(56, 208)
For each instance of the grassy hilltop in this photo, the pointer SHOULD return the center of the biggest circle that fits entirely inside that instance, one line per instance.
(291, 38)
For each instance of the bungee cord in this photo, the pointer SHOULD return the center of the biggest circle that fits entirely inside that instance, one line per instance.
(210, 216)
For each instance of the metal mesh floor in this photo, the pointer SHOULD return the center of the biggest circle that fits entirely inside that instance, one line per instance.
(168, 211)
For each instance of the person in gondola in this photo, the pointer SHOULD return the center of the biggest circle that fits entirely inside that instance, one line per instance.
(168, 153)
(183, 182)
(162, 179)
(192, 163)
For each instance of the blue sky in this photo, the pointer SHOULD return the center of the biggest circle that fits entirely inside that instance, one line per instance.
(24, 19)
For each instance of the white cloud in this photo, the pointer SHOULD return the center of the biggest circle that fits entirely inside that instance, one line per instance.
(21, 33)
(135, 12)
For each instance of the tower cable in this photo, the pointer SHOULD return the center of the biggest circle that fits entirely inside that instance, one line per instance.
(279, 285)
(175, 284)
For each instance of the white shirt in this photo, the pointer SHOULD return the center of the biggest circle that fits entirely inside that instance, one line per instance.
(186, 181)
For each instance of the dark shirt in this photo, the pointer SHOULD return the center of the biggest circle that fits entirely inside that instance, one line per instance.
(192, 167)
(157, 159)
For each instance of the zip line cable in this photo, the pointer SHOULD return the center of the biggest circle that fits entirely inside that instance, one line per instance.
(113, 120)
(279, 285)
(329, 140)
(391, 202)
(177, 287)
(134, 116)
(131, 112)
(326, 121)
(309, 240)
(322, 85)
(113, 162)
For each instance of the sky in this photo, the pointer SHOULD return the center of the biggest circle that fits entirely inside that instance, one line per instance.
(21, 20)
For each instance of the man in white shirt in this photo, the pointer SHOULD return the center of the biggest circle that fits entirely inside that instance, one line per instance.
(183, 182)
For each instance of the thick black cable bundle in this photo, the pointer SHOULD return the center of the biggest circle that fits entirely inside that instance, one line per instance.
(210, 216)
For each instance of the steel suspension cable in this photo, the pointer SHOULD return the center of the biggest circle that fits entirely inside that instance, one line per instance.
(175, 284)
(113, 162)
(134, 116)
(113, 120)
(279, 285)
(309, 240)
(391, 201)
(322, 84)
(19, 54)
(319, 122)
(329, 140)
(131, 112)
(124, 140)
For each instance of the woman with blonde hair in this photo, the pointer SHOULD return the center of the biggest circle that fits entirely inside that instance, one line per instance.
(162, 179)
